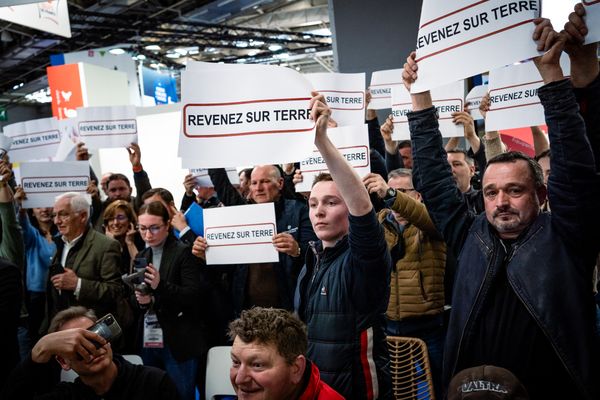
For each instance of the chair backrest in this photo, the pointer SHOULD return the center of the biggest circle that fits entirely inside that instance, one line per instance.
(218, 363)
(410, 368)
(70, 375)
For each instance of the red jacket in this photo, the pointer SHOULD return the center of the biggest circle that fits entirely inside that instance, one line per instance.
(316, 389)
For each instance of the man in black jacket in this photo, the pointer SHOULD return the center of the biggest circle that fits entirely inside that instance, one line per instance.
(522, 297)
(343, 289)
(101, 376)
(269, 284)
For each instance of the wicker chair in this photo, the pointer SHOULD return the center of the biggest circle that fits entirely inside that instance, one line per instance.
(410, 369)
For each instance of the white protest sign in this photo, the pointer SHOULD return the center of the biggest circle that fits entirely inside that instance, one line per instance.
(43, 181)
(461, 38)
(473, 100)
(514, 102)
(592, 20)
(49, 16)
(240, 234)
(351, 141)
(245, 116)
(345, 95)
(381, 88)
(5, 144)
(447, 99)
(203, 179)
(107, 127)
(33, 140)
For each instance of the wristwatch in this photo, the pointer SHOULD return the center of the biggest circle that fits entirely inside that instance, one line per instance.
(390, 194)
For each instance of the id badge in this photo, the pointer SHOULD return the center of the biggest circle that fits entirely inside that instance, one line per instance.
(153, 334)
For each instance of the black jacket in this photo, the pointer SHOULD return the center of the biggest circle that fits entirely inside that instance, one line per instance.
(549, 266)
(36, 381)
(342, 296)
(180, 300)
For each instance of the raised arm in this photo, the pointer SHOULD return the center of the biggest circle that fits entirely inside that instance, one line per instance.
(573, 185)
(585, 75)
(228, 194)
(347, 180)
(432, 176)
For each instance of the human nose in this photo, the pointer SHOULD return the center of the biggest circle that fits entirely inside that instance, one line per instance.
(501, 199)
(241, 375)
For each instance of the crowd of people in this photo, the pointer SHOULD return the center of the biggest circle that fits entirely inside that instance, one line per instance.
(487, 255)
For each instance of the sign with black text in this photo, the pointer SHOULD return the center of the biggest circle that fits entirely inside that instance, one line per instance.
(461, 38)
(240, 234)
(43, 181)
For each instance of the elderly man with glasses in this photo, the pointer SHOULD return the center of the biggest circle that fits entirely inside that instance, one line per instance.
(85, 268)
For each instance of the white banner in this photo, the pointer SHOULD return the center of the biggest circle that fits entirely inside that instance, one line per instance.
(514, 102)
(107, 127)
(345, 95)
(473, 100)
(203, 179)
(447, 99)
(351, 141)
(245, 116)
(43, 181)
(33, 140)
(461, 38)
(48, 16)
(381, 88)
(5, 144)
(240, 234)
(592, 20)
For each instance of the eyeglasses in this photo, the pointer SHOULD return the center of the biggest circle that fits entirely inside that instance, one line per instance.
(404, 190)
(119, 218)
(154, 229)
(63, 216)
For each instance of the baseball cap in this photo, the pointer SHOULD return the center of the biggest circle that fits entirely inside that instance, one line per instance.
(486, 382)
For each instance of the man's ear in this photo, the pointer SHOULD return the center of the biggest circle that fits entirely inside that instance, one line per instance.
(542, 194)
(472, 169)
(297, 370)
(280, 183)
(64, 364)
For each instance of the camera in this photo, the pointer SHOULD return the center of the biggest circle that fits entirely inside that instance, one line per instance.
(136, 279)
(107, 327)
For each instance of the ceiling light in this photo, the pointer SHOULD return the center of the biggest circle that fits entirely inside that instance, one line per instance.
(152, 47)
(241, 44)
(181, 51)
(173, 55)
(240, 60)
(210, 50)
(117, 51)
(275, 47)
(141, 57)
(282, 56)
(154, 65)
(257, 43)
(252, 53)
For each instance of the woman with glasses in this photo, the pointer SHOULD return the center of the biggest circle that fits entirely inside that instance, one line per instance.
(38, 230)
(119, 224)
(172, 329)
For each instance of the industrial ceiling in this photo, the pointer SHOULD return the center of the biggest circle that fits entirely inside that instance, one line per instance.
(165, 34)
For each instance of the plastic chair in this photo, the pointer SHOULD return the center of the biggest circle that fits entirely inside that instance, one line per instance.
(218, 362)
(410, 368)
(70, 375)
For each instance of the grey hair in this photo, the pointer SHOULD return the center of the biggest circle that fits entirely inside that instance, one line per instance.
(399, 172)
(73, 312)
(78, 202)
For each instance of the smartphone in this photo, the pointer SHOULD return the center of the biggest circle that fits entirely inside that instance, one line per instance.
(107, 327)
(56, 269)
